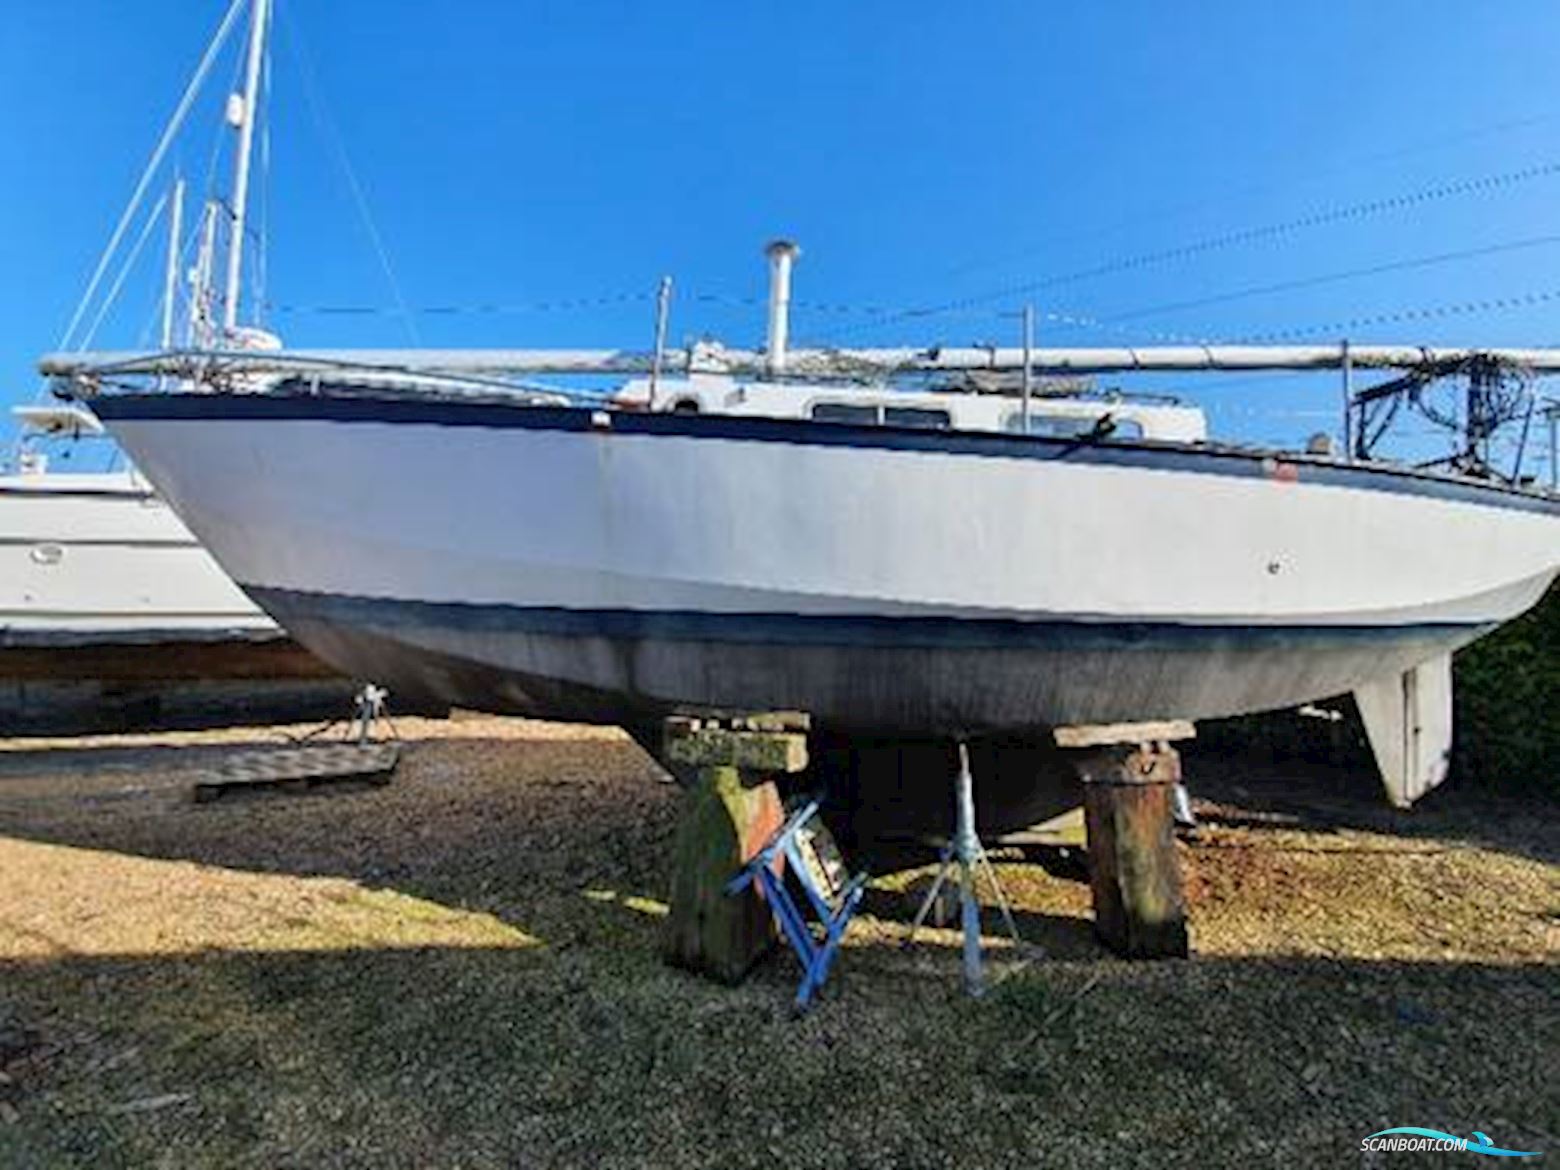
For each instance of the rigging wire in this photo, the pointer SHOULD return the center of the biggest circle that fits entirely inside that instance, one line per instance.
(152, 164)
(124, 269)
(333, 140)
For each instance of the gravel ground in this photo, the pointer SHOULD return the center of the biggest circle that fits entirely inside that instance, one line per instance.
(461, 969)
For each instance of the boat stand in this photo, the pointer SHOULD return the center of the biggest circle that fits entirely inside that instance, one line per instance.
(815, 924)
(1131, 779)
(965, 852)
(729, 810)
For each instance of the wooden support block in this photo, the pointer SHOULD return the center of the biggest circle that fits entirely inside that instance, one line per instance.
(724, 822)
(1139, 905)
(1083, 735)
(689, 742)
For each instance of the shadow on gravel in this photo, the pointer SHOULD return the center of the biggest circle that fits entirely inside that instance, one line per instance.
(1254, 790)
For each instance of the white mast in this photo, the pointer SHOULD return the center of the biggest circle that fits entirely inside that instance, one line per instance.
(806, 362)
(244, 107)
(171, 270)
(200, 325)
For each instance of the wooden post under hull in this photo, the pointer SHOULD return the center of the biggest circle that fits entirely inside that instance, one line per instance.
(728, 815)
(1139, 904)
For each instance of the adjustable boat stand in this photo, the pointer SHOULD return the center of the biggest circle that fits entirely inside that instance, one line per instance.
(965, 850)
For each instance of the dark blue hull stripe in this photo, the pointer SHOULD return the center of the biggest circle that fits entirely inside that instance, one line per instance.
(888, 633)
(135, 495)
(1211, 459)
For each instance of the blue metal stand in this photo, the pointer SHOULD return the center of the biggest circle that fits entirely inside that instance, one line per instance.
(829, 895)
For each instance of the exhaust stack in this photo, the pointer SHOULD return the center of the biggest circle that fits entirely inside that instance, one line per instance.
(781, 253)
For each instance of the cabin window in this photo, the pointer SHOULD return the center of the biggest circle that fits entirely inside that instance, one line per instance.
(917, 416)
(686, 406)
(1055, 425)
(844, 412)
(1072, 426)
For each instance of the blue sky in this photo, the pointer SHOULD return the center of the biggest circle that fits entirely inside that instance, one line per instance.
(524, 155)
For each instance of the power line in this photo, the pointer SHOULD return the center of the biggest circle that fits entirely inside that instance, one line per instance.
(1224, 240)
(1334, 277)
(1225, 193)
(1422, 313)
(487, 309)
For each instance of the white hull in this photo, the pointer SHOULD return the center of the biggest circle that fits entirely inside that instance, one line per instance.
(610, 567)
(89, 559)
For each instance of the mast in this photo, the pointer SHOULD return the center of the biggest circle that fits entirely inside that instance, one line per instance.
(200, 323)
(171, 269)
(817, 363)
(246, 137)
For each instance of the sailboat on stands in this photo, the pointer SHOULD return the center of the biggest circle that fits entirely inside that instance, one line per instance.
(905, 544)
(776, 530)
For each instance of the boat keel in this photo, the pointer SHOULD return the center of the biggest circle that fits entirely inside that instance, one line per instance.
(1408, 719)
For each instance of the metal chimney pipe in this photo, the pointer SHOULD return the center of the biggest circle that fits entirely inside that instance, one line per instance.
(781, 253)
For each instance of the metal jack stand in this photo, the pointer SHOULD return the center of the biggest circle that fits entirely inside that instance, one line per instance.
(966, 851)
(370, 703)
(357, 756)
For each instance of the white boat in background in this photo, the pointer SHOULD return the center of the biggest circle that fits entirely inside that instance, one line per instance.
(112, 615)
(97, 557)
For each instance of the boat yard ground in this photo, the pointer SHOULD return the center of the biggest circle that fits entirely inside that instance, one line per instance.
(462, 969)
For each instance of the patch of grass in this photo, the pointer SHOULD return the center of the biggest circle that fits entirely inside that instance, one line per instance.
(421, 975)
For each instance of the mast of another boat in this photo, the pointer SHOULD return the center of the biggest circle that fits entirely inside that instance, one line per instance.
(171, 270)
(199, 332)
(171, 267)
(241, 113)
